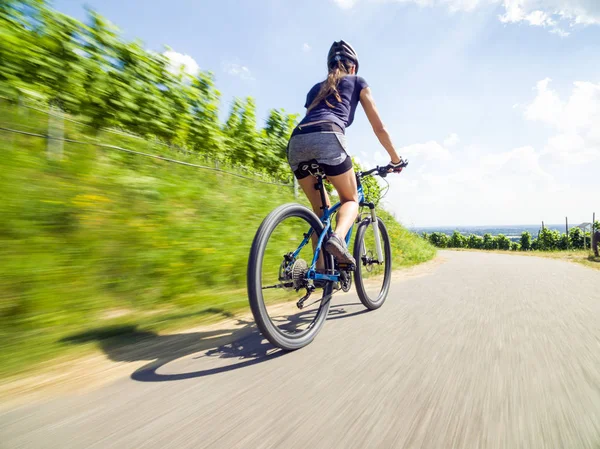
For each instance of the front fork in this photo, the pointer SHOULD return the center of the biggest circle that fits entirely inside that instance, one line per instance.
(375, 222)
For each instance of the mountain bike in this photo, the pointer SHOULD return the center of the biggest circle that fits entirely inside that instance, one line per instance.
(289, 292)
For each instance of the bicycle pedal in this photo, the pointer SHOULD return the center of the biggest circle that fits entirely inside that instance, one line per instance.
(347, 266)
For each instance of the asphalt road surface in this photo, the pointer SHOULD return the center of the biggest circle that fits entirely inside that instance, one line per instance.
(481, 351)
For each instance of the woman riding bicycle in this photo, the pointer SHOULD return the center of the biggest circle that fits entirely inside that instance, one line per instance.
(320, 136)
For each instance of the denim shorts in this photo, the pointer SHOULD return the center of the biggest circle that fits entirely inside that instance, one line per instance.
(327, 148)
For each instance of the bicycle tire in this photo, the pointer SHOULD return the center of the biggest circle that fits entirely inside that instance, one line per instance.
(254, 280)
(359, 280)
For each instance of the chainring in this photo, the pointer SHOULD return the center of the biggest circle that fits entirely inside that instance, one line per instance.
(345, 281)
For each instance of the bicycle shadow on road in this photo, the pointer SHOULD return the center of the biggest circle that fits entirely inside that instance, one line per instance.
(181, 355)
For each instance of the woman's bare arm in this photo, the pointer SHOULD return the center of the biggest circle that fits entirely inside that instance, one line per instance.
(368, 104)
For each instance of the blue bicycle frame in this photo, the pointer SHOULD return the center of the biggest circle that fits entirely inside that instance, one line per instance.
(326, 220)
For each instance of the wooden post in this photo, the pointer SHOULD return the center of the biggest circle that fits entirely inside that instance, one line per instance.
(295, 188)
(543, 227)
(567, 229)
(56, 132)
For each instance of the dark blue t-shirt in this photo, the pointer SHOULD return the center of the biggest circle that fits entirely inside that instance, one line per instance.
(349, 88)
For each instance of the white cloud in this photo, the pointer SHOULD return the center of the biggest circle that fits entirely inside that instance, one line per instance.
(345, 4)
(477, 187)
(576, 121)
(238, 70)
(546, 107)
(552, 14)
(306, 48)
(429, 151)
(451, 140)
(178, 61)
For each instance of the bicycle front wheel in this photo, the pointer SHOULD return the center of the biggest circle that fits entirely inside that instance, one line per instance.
(281, 254)
(373, 274)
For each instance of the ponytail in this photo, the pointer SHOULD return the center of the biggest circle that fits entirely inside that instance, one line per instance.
(329, 86)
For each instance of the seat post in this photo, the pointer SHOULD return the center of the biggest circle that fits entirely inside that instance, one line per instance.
(319, 186)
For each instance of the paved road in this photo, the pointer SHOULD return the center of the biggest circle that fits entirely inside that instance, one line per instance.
(486, 351)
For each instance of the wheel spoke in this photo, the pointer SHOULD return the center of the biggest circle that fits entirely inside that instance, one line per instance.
(277, 273)
(372, 276)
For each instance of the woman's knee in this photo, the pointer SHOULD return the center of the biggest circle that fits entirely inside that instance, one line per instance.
(349, 199)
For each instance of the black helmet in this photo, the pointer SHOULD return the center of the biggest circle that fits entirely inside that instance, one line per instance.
(340, 51)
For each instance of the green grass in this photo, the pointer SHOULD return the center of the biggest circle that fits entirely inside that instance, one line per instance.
(107, 240)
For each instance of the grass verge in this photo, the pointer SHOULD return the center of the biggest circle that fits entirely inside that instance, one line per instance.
(583, 257)
(115, 244)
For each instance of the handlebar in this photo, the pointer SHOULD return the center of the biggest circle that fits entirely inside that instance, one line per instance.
(382, 171)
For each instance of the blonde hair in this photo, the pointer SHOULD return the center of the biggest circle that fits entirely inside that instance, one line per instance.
(329, 86)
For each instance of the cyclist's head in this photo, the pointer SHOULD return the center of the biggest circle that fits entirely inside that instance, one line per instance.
(343, 56)
(342, 60)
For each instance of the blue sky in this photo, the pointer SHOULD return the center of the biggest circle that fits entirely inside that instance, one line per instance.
(495, 102)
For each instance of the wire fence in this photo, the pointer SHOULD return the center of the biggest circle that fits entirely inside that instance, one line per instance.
(55, 135)
(139, 153)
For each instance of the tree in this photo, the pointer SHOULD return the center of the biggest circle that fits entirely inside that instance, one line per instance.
(525, 241)
(576, 238)
(488, 242)
(548, 240)
(88, 70)
(457, 240)
(475, 242)
(515, 246)
(563, 242)
(439, 239)
(502, 242)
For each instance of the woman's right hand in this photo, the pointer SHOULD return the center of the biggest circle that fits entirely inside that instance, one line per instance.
(396, 167)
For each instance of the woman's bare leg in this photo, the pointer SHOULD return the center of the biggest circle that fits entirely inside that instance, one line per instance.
(345, 184)
(314, 197)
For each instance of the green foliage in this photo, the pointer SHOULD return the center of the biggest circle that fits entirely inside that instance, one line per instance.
(563, 242)
(91, 72)
(576, 238)
(525, 241)
(548, 240)
(501, 242)
(438, 239)
(489, 242)
(111, 238)
(457, 240)
(475, 242)
(371, 187)
(597, 225)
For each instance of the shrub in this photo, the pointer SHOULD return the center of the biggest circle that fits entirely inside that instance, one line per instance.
(457, 240)
(525, 241)
(439, 239)
(548, 240)
(502, 242)
(475, 241)
(488, 242)
(576, 238)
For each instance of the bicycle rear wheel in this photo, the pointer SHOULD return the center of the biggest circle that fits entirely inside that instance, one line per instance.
(372, 276)
(277, 278)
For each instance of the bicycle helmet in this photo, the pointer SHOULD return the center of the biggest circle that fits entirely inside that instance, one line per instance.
(340, 51)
